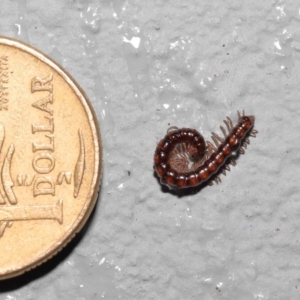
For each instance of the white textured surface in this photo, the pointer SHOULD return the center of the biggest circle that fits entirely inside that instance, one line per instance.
(148, 65)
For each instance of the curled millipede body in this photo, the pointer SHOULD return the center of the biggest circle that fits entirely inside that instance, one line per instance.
(182, 158)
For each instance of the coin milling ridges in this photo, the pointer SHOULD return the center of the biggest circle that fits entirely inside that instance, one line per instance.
(4, 82)
(48, 138)
(2, 201)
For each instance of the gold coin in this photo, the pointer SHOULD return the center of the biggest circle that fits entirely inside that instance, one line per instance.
(50, 158)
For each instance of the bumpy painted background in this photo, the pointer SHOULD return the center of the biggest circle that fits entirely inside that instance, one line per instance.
(148, 65)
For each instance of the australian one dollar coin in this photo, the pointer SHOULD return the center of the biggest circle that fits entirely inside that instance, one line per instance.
(50, 158)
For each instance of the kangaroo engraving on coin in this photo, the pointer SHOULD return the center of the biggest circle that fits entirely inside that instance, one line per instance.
(50, 158)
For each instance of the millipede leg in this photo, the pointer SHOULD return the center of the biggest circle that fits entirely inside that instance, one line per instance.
(253, 132)
(177, 153)
(239, 116)
(242, 150)
(183, 150)
(230, 122)
(224, 131)
(233, 161)
(215, 141)
(227, 125)
(211, 145)
(226, 167)
(210, 148)
(217, 180)
(217, 137)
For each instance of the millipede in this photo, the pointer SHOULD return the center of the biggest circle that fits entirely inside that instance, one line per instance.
(182, 159)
